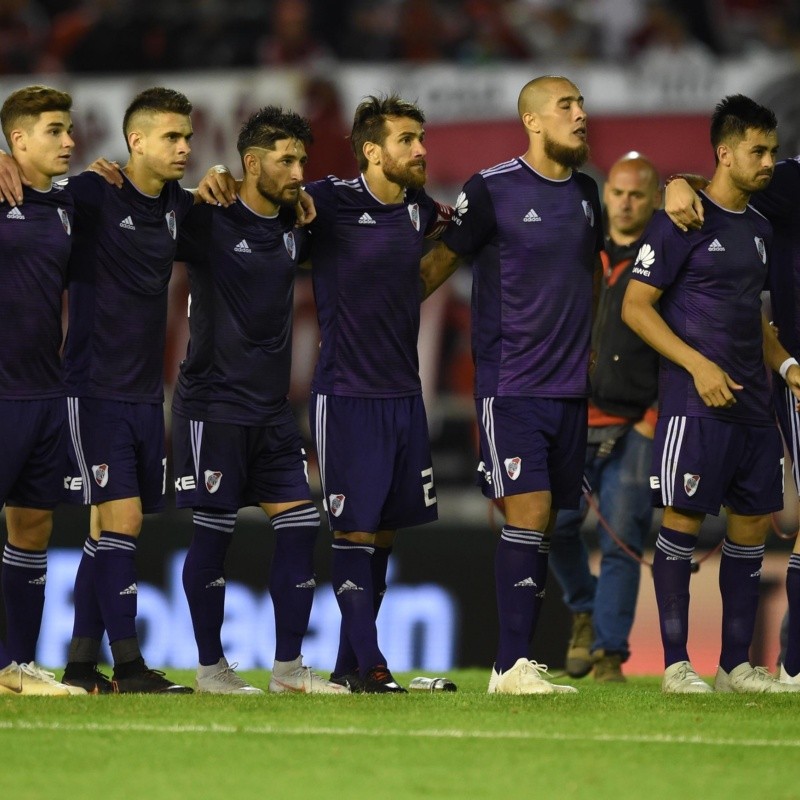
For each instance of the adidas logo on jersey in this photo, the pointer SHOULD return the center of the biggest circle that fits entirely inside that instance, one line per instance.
(531, 216)
(130, 590)
(526, 582)
(366, 219)
(15, 213)
(716, 247)
(127, 223)
(242, 247)
(349, 586)
(219, 582)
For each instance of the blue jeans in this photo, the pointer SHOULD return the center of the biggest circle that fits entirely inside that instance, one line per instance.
(621, 482)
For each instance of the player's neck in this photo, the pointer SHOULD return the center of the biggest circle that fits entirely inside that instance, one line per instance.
(143, 179)
(38, 180)
(545, 166)
(256, 201)
(725, 194)
(385, 190)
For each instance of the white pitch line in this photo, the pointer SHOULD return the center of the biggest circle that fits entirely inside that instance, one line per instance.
(432, 733)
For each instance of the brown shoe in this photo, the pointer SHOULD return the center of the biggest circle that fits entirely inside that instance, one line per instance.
(579, 658)
(608, 667)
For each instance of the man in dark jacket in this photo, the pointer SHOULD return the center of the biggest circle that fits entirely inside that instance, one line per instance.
(621, 426)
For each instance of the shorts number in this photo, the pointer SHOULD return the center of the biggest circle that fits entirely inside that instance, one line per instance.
(427, 487)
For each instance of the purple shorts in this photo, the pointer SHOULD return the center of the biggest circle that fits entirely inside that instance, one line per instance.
(34, 437)
(700, 464)
(375, 462)
(789, 419)
(227, 467)
(532, 444)
(116, 451)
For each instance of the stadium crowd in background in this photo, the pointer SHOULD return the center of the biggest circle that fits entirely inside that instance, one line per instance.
(80, 36)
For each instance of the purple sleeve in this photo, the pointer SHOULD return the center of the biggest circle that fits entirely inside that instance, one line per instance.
(474, 222)
(662, 254)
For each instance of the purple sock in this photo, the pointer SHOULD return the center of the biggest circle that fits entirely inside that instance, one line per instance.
(23, 578)
(291, 577)
(88, 622)
(540, 579)
(672, 568)
(739, 576)
(791, 660)
(346, 661)
(115, 580)
(351, 576)
(204, 580)
(518, 574)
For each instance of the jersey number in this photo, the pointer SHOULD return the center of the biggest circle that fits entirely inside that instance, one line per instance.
(427, 487)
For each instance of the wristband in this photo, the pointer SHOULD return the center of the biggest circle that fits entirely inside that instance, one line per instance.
(784, 368)
(675, 177)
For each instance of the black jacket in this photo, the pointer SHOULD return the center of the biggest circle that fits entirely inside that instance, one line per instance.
(625, 378)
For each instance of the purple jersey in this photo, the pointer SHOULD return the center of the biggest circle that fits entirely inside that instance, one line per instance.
(780, 204)
(712, 281)
(365, 257)
(118, 276)
(241, 273)
(35, 241)
(533, 244)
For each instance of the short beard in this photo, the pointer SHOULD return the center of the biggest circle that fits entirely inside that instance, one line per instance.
(278, 200)
(405, 177)
(569, 157)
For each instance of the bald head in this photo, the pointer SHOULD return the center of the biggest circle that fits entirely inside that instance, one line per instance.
(631, 196)
(637, 165)
(536, 94)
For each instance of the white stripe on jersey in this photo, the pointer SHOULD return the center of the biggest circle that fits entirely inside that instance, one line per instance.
(669, 458)
(499, 169)
(320, 424)
(352, 183)
(196, 436)
(488, 426)
(74, 418)
(794, 425)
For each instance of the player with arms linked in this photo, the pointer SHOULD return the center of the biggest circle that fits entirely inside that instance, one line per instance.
(121, 263)
(532, 227)
(35, 243)
(235, 438)
(716, 440)
(367, 415)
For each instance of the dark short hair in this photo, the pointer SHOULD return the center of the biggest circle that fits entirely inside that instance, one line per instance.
(271, 124)
(30, 102)
(369, 121)
(735, 115)
(156, 100)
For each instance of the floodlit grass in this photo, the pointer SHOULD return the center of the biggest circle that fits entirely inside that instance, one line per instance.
(623, 741)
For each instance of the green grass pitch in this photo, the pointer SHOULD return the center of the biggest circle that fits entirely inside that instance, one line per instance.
(619, 741)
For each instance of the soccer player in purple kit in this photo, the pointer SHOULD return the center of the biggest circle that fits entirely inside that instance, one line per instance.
(123, 250)
(780, 204)
(35, 245)
(716, 440)
(532, 227)
(235, 438)
(367, 415)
